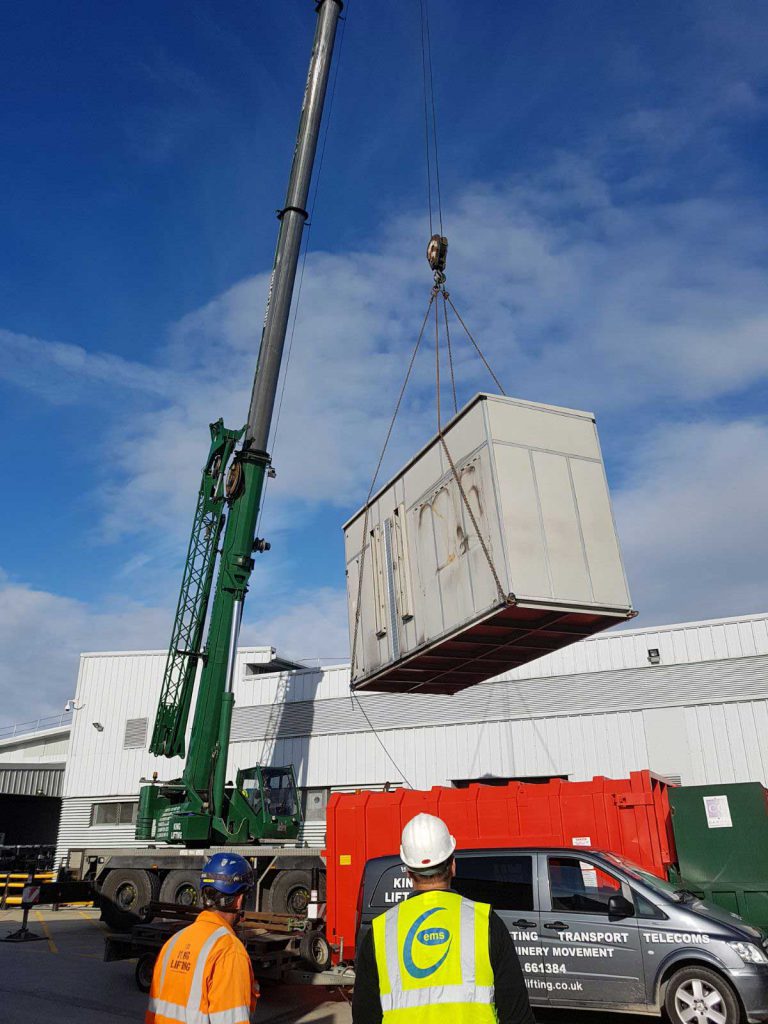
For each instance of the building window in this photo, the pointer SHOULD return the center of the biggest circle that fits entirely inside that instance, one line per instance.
(135, 733)
(123, 813)
(314, 803)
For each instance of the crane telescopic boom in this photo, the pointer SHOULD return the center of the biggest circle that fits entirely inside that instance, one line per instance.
(201, 808)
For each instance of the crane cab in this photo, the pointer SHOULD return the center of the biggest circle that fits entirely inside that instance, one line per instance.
(271, 799)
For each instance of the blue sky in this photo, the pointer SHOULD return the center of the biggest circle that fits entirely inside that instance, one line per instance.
(604, 186)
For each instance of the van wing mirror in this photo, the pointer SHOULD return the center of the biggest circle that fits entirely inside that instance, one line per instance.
(620, 906)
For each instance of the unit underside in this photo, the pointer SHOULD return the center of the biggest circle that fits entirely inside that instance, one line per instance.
(510, 636)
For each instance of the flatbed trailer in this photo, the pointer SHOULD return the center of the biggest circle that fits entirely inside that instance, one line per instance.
(127, 881)
(281, 947)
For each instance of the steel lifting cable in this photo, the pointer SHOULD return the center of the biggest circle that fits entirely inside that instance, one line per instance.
(363, 539)
(497, 382)
(465, 500)
(450, 352)
(381, 742)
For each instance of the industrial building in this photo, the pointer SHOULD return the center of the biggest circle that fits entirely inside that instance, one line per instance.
(688, 701)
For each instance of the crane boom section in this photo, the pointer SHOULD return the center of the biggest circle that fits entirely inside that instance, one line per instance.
(201, 807)
(189, 622)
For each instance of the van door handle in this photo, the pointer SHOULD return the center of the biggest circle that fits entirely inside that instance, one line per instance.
(559, 926)
(522, 923)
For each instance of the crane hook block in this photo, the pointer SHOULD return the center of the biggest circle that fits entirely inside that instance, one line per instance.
(437, 253)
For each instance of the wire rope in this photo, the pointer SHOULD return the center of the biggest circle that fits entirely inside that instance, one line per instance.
(381, 742)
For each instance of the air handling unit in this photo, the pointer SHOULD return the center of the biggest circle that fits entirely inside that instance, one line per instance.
(494, 546)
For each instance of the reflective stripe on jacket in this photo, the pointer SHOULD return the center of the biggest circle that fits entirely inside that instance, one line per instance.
(202, 975)
(433, 958)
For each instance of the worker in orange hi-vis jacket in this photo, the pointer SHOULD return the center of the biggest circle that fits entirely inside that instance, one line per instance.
(203, 974)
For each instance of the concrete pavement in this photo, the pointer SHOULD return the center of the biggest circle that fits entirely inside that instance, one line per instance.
(62, 979)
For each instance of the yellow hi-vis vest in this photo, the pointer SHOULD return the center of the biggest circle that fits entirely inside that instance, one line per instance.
(433, 958)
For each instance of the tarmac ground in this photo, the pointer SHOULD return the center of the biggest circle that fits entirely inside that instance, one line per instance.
(62, 979)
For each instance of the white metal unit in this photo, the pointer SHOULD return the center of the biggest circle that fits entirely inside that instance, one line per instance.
(474, 568)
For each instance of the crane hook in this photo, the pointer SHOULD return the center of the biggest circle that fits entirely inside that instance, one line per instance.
(437, 255)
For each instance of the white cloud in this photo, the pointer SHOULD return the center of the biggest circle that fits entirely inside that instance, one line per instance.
(42, 635)
(313, 627)
(577, 300)
(692, 521)
(63, 373)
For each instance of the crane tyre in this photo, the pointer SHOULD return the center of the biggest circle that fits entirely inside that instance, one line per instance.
(315, 951)
(181, 887)
(289, 893)
(145, 968)
(125, 896)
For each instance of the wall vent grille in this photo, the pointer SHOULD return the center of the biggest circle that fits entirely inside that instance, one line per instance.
(135, 733)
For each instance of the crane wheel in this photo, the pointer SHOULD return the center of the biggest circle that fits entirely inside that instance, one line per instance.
(289, 893)
(181, 887)
(125, 894)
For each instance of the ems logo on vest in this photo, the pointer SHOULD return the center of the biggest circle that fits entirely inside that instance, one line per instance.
(426, 937)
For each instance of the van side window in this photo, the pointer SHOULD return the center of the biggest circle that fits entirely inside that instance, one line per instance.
(505, 881)
(579, 887)
(644, 908)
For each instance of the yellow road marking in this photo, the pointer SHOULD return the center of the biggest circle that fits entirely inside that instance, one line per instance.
(51, 944)
(89, 917)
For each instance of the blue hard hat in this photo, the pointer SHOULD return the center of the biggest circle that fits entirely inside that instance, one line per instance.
(227, 873)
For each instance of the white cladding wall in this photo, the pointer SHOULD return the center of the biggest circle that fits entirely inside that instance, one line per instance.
(534, 479)
(40, 748)
(701, 714)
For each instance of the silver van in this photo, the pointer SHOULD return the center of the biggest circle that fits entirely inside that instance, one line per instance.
(595, 931)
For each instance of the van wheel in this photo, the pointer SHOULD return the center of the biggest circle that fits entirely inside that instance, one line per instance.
(697, 995)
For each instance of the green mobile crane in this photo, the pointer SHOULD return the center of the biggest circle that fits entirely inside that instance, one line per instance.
(201, 808)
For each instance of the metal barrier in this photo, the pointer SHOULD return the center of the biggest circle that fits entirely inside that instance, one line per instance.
(38, 892)
(9, 732)
(13, 883)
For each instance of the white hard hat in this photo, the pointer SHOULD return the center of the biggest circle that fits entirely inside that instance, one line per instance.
(426, 843)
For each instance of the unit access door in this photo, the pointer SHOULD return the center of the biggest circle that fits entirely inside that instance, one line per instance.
(508, 881)
(594, 955)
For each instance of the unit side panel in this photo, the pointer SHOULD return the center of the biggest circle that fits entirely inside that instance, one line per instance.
(565, 551)
(522, 523)
(600, 541)
(570, 433)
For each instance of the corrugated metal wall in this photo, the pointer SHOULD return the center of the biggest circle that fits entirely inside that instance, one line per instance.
(31, 781)
(75, 829)
(699, 714)
(628, 689)
(728, 741)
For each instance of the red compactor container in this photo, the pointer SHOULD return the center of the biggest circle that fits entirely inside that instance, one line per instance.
(625, 816)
